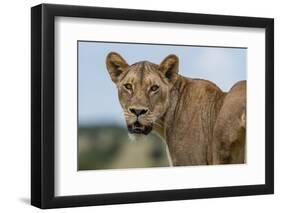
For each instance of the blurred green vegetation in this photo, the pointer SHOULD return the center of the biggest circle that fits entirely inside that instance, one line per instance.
(109, 147)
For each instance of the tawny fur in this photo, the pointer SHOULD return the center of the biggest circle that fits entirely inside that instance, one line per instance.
(200, 123)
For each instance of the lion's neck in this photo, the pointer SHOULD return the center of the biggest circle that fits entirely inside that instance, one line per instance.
(187, 125)
(168, 118)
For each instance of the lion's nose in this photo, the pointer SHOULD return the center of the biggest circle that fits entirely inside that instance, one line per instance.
(138, 112)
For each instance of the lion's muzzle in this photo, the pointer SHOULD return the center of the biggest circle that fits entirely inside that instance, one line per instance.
(138, 128)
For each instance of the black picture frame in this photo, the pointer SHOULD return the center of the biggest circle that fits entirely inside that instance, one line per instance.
(43, 102)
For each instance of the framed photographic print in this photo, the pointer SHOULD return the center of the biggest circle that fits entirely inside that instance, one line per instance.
(140, 106)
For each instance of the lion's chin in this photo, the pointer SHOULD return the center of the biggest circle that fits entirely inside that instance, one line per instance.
(138, 128)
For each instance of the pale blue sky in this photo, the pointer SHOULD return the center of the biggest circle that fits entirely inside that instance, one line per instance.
(98, 100)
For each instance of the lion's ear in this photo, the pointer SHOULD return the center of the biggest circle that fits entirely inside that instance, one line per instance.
(115, 65)
(170, 67)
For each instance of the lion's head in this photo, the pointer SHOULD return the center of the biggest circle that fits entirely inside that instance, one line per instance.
(143, 89)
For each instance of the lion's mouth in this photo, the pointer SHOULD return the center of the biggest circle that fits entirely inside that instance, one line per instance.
(138, 128)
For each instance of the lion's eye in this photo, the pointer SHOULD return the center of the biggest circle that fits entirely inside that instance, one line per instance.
(128, 86)
(154, 88)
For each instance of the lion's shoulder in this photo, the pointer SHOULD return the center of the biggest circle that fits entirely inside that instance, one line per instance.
(200, 89)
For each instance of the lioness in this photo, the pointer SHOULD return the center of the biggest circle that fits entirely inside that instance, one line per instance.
(199, 122)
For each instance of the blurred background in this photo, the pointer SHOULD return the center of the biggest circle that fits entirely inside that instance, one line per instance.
(103, 141)
(109, 147)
